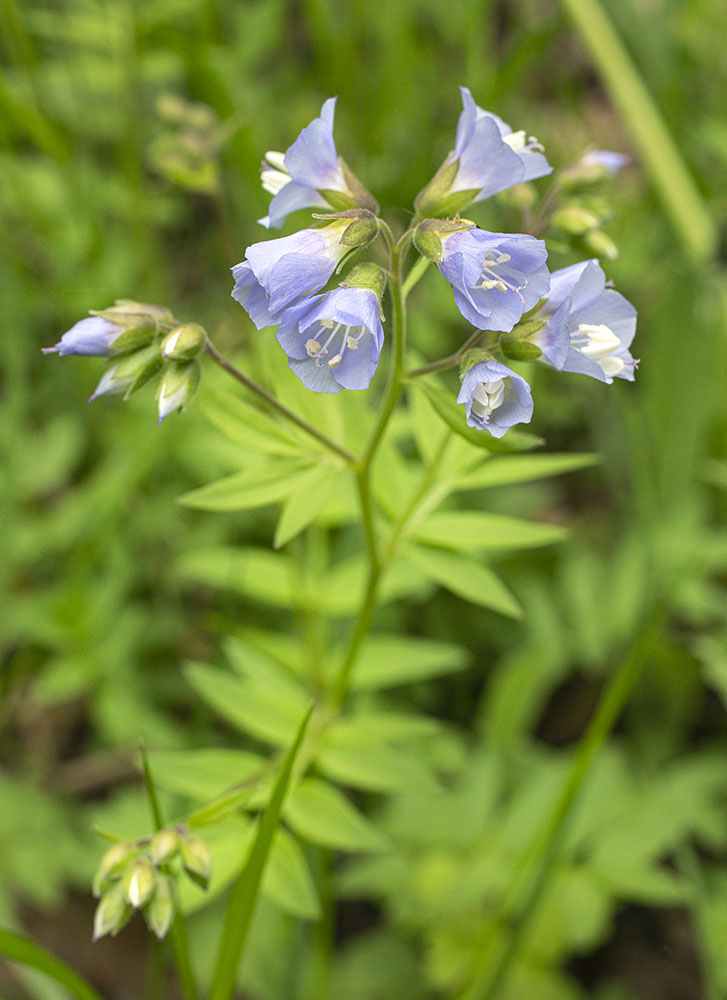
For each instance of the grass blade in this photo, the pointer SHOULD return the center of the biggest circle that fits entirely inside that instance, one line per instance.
(19, 949)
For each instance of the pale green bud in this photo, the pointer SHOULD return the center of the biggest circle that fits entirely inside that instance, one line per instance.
(520, 350)
(138, 367)
(138, 882)
(196, 859)
(112, 912)
(437, 198)
(177, 387)
(164, 846)
(575, 220)
(429, 234)
(600, 245)
(113, 863)
(184, 342)
(520, 196)
(159, 912)
(363, 229)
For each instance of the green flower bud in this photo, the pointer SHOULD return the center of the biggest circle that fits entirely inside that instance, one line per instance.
(362, 230)
(575, 220)
(184, 342)
(473, 357)
(138, 882)
(177, 387)
(164, 846)
(197, 860)
(159, 912)
(139, 321)
(113, 863)
(112, 912)
(436, 198)
(600, 245)
(137, 368)
(366, 276)
(520, 196)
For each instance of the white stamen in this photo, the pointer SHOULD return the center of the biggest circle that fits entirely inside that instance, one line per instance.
(276, 159)
(612, 366)
(491, 279)
(312, 348)
(519, 144)
(595, 340)
(335, 361)
(486, 398)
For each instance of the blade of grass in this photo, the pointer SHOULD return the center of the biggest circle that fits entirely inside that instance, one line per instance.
(245, 890)
(19, 949)
(178, 930)
(649, 133)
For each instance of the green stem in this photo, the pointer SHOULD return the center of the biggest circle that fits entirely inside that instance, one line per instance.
(544, 853)
(449, 362)
(649, 133)
(178, 931)
(416, 273)
(212, 352)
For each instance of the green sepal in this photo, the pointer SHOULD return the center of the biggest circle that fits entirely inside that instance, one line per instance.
(164, 845)
(429, 234)
(112, 912)
(184, 342)
(138, 882)
(113, 863)
(366, 275)
(431, 198)
(362, 197)
(574, 220)
(159, 912)
(362, 230)
(340, 200)
(196, 859)
(140, 366)
(475, 356)
(520, 350)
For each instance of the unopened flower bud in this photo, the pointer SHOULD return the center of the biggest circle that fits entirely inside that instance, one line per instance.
(429, 233)
(177, 387)
(164, 845)
(138, 322)
(593, 168)
(520, 350)
(138, 882)
(159, 912)
(113, 863)
(137, 368)
(575, 220)
(112, 912)
(197, 860)
(184, 342)
(368, 276)
(600, 245)
(474, 356)
(363, 229)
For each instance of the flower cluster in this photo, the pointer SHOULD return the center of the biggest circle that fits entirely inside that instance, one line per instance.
(331, 329)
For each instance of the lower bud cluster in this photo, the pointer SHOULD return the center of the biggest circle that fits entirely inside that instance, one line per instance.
(140, 875)
(144, 341)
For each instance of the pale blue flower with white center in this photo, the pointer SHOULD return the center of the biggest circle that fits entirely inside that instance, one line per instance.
(333, 342)
(496, 277)
(90, 337)
(589, 327)
(278, 274)
(495, 398)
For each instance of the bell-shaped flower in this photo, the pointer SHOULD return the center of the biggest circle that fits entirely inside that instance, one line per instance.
(310, 174)
(278, 274)
(589, 327)
(91, 337)
(488, 157)
(495, 398)
(496, 277)
(334, 340)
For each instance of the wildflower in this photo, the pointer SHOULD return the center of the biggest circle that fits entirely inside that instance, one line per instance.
(310, 174)
(334, 341)
(130, 373)
(488, 157)
(608, 161)
(589, 327)
(178, 387)
(496, 277)
(277, 274)
(495, 397)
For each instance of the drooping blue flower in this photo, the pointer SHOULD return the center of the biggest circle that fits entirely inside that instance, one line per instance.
(496, 277)
(333, 341)
(278, 274)
(488, 157)
(311, 174)
(495, 398)
(589, 327)
(91, 337)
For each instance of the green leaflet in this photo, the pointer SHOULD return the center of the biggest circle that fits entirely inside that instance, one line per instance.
(320, 813)
(466, 578)
(508, 469)
(454, 417)
(203, 774)
(253, 487)
(481, 532)
(245, 424)
(256, 709)
(388, 660)
(310, 492)
(19, 949)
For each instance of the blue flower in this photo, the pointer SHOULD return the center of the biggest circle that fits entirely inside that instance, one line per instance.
(589, 327)
(495, 398)
(496, 277)
(333, 342)
(278, 274)
(310, 174)
(488, 157)
(91, 337)
(610, 162)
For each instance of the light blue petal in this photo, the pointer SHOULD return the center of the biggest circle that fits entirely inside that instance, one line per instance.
(251, 295)
(319, 378)
(582, 283)
(613, 310)
(312, 160)
(554, 339)
(90, 337)
(289, 199)
(487, 164)
(296, 275)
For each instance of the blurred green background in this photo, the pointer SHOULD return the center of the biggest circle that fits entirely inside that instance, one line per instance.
(130, 140)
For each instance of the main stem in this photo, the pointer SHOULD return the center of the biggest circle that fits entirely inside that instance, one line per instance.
(363, 472)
